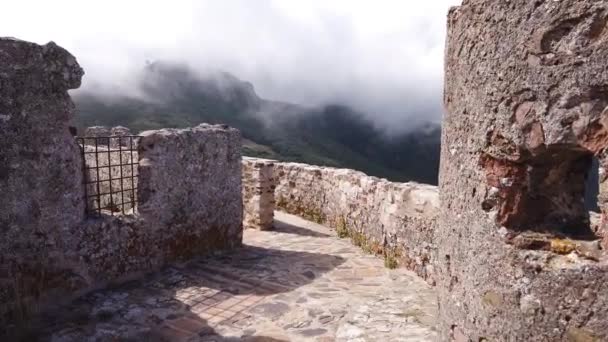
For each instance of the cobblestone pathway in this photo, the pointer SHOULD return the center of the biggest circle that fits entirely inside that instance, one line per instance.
(298, 283)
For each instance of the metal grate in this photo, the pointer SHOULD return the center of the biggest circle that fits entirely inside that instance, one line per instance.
(110, 167)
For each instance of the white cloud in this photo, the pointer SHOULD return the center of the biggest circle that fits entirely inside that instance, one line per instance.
(383, 56)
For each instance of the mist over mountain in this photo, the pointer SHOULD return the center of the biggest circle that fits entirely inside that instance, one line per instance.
(383, 59)
(173, 95)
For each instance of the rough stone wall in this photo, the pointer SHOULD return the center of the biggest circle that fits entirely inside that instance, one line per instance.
(396, 220)
(189, 192)
(526, 96)
(40, 177)
(97, 132)
(189, 205)
(190, 188)
(258, 193)
(120, 131)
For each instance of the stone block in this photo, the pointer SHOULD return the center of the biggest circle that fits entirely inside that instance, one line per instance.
(189, 188)
(258, 193)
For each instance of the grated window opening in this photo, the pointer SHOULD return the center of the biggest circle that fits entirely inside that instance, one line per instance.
(110, 168)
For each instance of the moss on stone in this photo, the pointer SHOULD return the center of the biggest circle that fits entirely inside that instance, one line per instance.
(341, 228)
(391, 258)
(316, 216)
(373, 247)
(356, 235)
(298, 209)
(492, 298)
(581, 335)
(281, 203)
(358, 239)
(312, 214)
(390, 261)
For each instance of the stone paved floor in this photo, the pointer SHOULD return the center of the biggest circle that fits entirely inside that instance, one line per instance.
(298, 283)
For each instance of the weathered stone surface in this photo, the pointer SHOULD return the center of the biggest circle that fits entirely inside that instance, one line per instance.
(392, 219)
(526, 98)
(120, 131)
(40, 178)
(258, 193)
(189, 205)
(189, 192)
(190, 187)
(122, 136)
(97, 131)
(115, 136)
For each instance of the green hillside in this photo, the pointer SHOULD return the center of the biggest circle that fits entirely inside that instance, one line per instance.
(333, 135)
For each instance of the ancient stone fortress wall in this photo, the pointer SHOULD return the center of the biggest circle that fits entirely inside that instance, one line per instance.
(526, 96)
(189, 195)
(395, 220)
(258, 193)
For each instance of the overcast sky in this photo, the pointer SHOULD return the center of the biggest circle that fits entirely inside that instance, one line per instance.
(382, 56)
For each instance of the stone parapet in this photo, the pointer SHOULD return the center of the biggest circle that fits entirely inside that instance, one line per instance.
(396, 220)
(188, 181)
(258, 193)
(109, 137)
(189, 188)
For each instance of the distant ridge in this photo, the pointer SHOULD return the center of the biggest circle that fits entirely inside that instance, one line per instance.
(333, 135)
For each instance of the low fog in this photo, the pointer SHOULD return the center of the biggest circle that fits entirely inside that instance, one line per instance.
(384, 58)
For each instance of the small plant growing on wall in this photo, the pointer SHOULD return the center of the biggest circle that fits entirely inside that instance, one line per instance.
(390, 259)
(341, 228)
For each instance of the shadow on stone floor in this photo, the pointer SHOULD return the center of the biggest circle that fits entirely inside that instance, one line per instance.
(179, 302)
(284, 227)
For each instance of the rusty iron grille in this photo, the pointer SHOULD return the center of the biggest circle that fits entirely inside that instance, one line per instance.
(110, 168)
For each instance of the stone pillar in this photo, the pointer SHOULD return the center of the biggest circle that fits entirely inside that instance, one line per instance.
(258, 193)
(41, 193)
(526, 96)
(189, 189)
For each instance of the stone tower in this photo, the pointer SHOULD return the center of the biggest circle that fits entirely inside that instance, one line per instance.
(526, 99)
